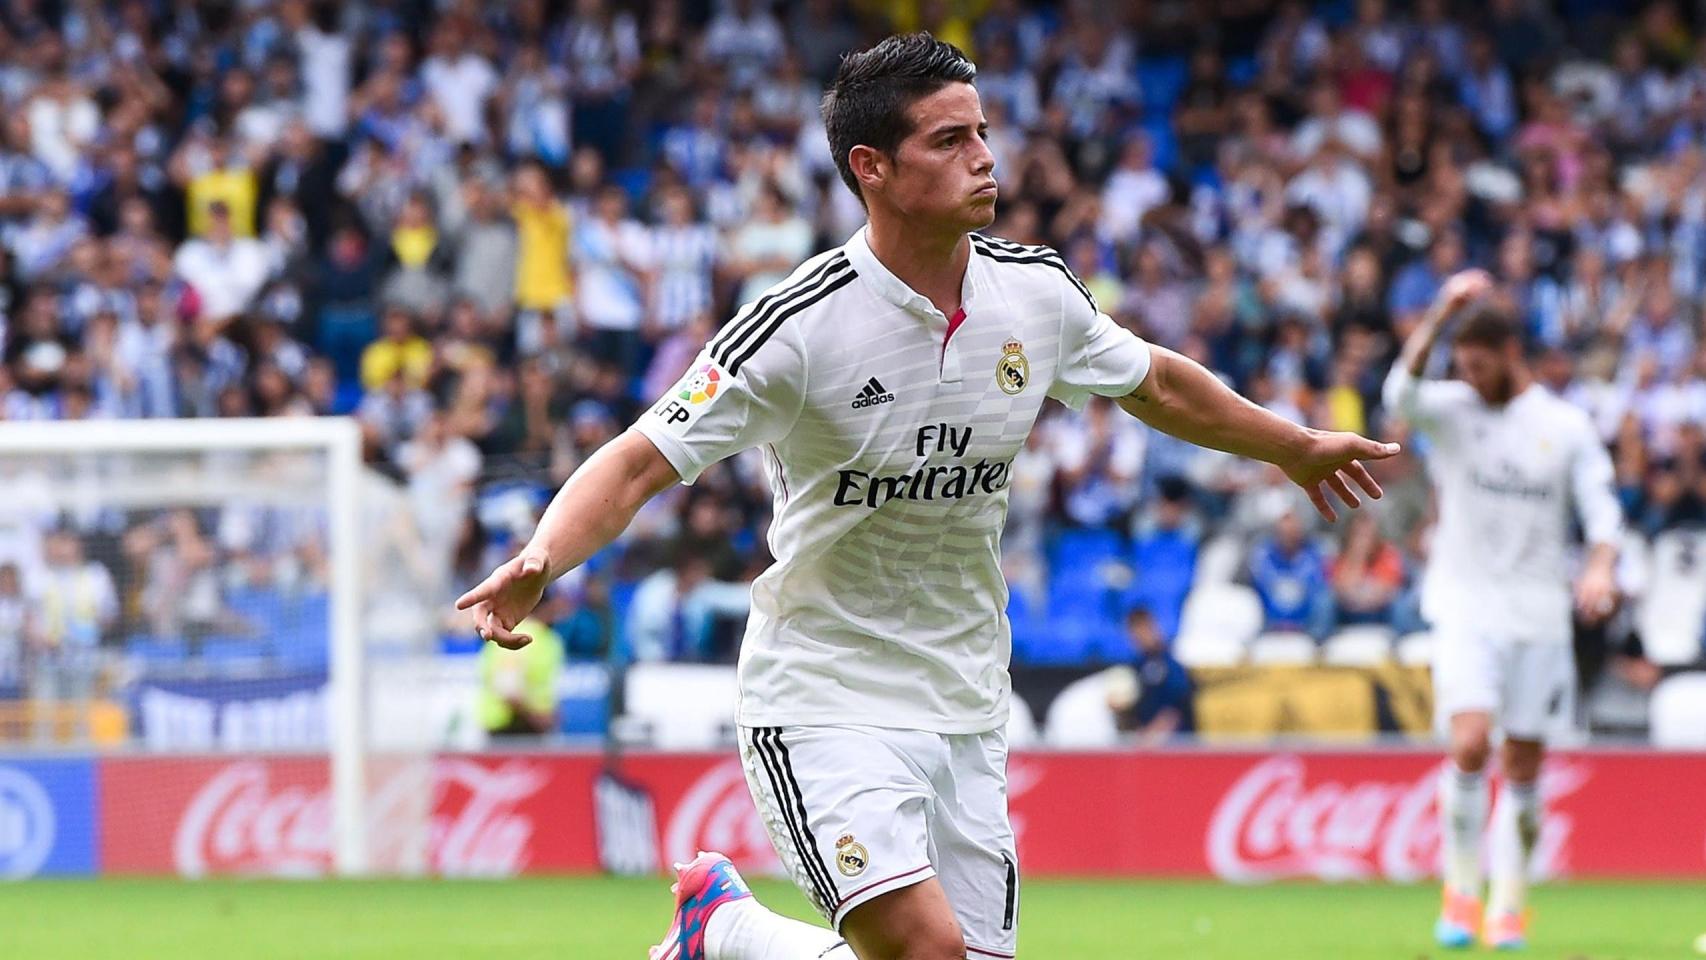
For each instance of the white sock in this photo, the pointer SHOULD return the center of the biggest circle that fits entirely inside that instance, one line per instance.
(747, 930)
(1516, 833)
(1463, 818)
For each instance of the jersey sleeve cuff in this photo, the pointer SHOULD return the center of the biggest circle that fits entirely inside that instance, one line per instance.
(672, 449)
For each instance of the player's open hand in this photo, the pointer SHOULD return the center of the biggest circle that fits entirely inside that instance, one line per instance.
(505, 598)
(1333, 462)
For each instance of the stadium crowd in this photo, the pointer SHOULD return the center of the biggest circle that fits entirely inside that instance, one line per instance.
(494, 232)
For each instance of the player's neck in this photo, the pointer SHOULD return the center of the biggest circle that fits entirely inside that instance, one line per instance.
(932, 264)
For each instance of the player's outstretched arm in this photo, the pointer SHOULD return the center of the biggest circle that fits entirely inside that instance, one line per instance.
(1181, 397)
(592, 509)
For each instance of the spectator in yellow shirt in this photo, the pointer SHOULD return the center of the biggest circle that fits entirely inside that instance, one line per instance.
(518, 688)
(543, 287)
(542, 228)
(224, 179)
(399, 350)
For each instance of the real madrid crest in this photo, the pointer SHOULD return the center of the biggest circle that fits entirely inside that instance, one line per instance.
(1012, 371)
(851, 857)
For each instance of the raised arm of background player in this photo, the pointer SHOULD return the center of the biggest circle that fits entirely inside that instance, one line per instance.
(1177, 396)
(1590, 471)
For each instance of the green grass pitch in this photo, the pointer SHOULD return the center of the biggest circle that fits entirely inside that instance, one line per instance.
(602, 919)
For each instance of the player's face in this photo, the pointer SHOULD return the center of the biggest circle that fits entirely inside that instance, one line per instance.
(943, 173)
(1487, 370)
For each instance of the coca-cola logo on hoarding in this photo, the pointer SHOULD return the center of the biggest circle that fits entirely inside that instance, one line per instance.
(486, 835)
(1273, 823)
(716, 813)
(459, 816)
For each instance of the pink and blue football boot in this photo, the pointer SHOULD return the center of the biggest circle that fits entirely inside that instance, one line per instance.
(708, 882)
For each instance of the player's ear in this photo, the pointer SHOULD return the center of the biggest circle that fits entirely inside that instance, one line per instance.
(869, 166)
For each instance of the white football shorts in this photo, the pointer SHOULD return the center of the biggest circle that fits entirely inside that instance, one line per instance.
(1529, 688)
(856, 812)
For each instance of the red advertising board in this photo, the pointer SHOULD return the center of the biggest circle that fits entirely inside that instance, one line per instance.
(1246, 817)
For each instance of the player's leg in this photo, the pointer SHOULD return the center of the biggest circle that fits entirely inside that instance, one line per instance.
(845, 810)
(1516, 832)
(912, 923)
(1466, 694)
(1539, 704)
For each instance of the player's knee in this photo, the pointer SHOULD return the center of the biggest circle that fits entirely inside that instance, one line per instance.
(1470, 750)
(1521, 760)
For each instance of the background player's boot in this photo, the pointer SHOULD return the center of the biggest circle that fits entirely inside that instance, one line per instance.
(1459, 916)
(708, 882)
(1507, 930)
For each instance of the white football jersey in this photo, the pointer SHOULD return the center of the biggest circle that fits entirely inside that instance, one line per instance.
(890, 447)
(1507, 479)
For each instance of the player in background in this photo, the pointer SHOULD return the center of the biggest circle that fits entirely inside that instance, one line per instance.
(890, 383)
(1509, 460)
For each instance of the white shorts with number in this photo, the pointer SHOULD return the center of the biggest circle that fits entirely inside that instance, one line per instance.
(1529, 688)
(856, 812)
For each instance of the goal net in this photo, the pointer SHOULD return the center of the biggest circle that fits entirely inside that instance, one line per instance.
(188, 602)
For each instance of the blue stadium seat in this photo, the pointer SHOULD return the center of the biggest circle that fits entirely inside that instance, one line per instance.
(1165, 146)
(1066, 641)
(460, 644)
(1076, 550)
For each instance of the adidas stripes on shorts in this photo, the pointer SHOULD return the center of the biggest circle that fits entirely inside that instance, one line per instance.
(856, 812)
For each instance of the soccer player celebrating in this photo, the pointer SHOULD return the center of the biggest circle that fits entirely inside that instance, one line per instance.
(1508, 459)
(890, 383)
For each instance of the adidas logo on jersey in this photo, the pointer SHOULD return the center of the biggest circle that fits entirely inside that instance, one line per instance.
(871, 395)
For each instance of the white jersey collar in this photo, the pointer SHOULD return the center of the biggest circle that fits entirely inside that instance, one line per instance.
(890, 287)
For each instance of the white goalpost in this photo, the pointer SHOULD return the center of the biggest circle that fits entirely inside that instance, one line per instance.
(136, 503)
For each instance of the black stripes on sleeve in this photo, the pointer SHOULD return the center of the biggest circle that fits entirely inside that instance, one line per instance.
(1006, 251)
(753, 327)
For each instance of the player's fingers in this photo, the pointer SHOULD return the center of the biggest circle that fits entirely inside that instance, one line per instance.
(1362, 448)
(1361, 477)
(496, 631)
(1323, 506)
(1337, 482)
(486, 589)
(477, 615)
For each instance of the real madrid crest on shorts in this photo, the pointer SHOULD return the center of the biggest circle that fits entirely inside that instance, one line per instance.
(1012, 371)
(851, 857)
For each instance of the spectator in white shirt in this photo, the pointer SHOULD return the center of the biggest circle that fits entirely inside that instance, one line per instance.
(63, 120)
(326, 65)
(75, 603)
(764, 250)
(226, 271)
(682, 257)
(1328, 117)
(1133, 189)
(39, 245)
(610, 253)
(460, 81)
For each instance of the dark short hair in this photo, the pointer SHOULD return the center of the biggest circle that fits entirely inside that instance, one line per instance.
(1486, 325)
(873, 89)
